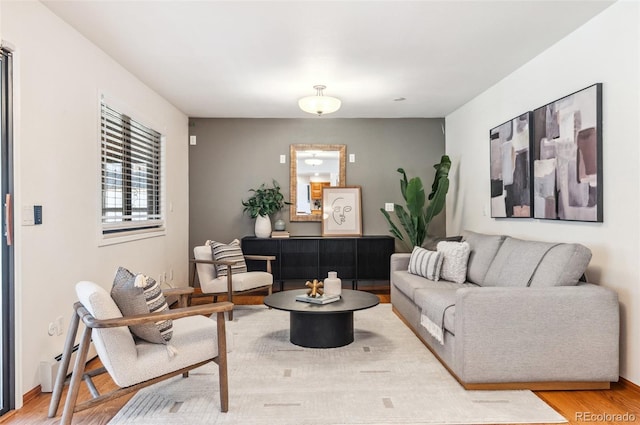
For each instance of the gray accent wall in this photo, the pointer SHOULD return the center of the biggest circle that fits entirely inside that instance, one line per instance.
(232, 155)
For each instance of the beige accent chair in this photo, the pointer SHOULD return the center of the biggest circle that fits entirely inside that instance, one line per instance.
(134, 364)
(204, 268)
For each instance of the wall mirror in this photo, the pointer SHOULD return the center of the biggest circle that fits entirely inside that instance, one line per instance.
(311, 168)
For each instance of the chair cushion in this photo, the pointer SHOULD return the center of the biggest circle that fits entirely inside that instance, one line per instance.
(140, 294)
(113, 345)
(239, 282)
(425, 263)
(206, 272)
(454, 266)
(228, 252)
(195, 340)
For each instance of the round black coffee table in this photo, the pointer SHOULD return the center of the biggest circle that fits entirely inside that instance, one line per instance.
(321, 325)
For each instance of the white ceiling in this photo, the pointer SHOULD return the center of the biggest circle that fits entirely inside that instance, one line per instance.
(256, 59)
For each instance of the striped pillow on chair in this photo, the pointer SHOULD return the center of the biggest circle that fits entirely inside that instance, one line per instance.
(228, 252)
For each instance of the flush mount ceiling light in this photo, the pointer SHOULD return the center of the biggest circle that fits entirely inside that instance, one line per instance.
(319, 104)
(313, 161)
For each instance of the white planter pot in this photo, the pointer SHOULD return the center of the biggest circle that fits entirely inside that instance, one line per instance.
(263, 226)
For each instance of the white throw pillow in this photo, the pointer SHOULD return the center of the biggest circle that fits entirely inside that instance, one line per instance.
(456, 256)
(425, 263)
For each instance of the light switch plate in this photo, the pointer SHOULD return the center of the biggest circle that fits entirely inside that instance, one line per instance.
(27, 215)
(192, 140)
(352, 157)
(388, 206)
(283, 159)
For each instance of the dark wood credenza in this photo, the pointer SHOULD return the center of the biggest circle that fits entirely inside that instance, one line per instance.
(312, 257)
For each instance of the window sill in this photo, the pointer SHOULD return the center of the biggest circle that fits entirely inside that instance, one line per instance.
(134, 235)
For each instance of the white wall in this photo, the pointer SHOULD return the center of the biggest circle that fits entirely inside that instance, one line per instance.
(603, 50)
(58, 78)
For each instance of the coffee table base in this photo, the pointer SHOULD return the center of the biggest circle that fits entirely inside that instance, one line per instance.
(314, 330)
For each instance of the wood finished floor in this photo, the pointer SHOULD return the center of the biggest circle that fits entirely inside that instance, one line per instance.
(622, 398)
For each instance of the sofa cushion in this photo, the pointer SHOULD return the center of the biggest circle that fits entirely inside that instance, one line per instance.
(437, 302)
(563, 266)
(483, 250)
(425, 263)
(454, 266)
(409, 284)
(531, 263)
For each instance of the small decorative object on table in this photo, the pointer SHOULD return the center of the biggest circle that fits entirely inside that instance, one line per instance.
(315, 288)
(332, 284)
(316, 295)
(324, 299)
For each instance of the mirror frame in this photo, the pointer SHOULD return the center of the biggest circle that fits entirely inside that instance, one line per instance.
(293, 176)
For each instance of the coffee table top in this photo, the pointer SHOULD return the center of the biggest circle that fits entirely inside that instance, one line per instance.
(349, 301)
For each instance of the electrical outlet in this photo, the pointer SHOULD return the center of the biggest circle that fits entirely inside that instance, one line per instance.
(352, 157)
(388, 206)
(52, 330)
(59, 325)
(283, 159)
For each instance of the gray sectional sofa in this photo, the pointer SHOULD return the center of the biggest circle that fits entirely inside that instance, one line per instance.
(521, 320)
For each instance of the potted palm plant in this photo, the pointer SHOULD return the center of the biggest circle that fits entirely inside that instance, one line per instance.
(416, 218)
(264, 202)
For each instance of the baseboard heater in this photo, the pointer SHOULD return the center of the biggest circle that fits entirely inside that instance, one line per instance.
(49, 369)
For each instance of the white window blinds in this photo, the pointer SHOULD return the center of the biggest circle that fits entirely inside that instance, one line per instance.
(131, 174)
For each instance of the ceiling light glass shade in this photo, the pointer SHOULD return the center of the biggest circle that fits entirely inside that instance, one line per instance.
(319, 104)
(313, 161)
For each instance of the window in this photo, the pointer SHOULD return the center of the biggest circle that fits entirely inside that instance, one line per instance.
(131, 174)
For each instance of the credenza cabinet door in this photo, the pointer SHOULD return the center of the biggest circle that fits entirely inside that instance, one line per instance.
(338, 255)
(374, 256)
(299, 258)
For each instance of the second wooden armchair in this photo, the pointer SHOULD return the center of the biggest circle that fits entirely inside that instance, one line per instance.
(212, 283)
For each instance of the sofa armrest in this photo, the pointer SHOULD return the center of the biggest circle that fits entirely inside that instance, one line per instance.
(566, 333)
(400, 261)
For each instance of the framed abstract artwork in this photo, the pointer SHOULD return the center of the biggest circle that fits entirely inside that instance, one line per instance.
(341, 211)
(567, 153)
(511, 191)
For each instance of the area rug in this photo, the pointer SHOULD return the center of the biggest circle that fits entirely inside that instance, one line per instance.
(386, 376)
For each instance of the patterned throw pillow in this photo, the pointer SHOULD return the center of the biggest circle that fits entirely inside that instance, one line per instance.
(140, 294)
(456, 256)
(425, 263)
(228, 252)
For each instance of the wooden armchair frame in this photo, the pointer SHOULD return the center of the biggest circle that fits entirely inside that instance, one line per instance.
(90, 322)
(230, 292)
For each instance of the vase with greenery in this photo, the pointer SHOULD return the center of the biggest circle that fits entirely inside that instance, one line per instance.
(416, 218)
(264, 202)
